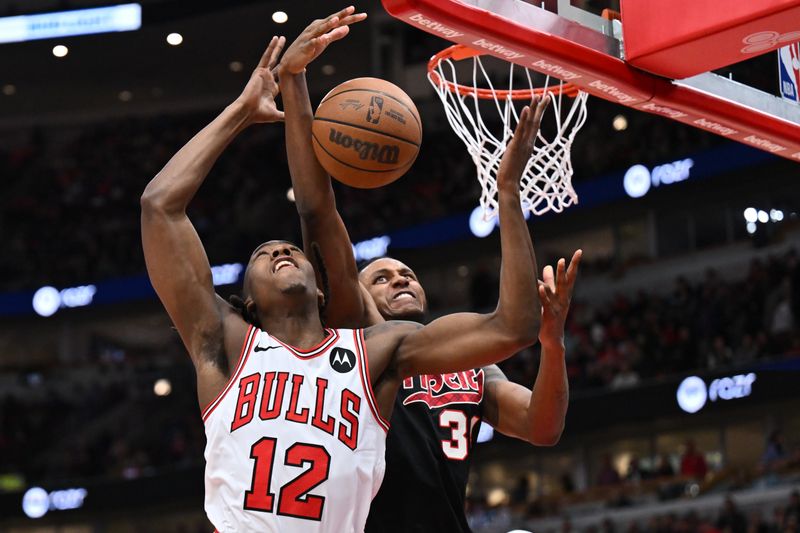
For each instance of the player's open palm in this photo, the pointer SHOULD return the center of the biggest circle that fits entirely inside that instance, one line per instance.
(555, 293)
(258, 96)
(316, 38)
(520, 148)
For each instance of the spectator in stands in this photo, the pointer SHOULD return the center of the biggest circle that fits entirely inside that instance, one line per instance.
(625, 378)
(635, 471)
(756, 523)
(663, 467)
(793, 509)
(607, 475)
(730, 519)
(693, 464)
(720, 354)
(775, 454)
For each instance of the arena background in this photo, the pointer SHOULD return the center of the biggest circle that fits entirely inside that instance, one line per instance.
(99, 426)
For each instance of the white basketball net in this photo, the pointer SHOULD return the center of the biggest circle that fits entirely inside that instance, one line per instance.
(546, 184)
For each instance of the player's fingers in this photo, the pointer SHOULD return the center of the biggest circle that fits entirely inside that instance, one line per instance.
(320, 27)
(547, 276)
(267, 55)
(276, 52)
(540, 108)
(561, 273)
(543, 294)
(522, 125)
(335, 34)
(549, 292)
(349, 10)
(572, 270)
(352, 19)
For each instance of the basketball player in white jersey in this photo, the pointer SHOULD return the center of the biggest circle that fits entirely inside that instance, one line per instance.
(429, 448)
(295, 414)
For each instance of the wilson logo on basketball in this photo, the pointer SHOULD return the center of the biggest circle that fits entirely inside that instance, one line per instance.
(440, 390)
(382, 153)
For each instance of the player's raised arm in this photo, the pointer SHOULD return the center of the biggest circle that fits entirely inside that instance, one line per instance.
(175, 258)
(314, 197)
(538, 415)
(468, 340)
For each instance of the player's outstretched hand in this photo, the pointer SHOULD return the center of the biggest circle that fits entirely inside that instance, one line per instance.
(555, 292)
(520, 148)
(316, 37)
(258, 96)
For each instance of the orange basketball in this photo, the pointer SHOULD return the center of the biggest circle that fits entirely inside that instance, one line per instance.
(366, 132)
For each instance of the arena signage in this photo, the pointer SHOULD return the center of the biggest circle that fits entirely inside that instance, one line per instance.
(482, 226)
(47, 300)
(638, 179)
(693, 394)
(36, 502)
(371, 248)
(125, 17)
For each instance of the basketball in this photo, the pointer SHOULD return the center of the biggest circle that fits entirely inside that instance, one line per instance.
(366, 132)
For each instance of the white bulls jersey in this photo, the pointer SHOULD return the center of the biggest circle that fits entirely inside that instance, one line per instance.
(295, 442)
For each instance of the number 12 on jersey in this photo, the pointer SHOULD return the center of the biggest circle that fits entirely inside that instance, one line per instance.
(293, 497)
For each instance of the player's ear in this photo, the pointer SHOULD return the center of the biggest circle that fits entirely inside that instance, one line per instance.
(321, 299)
(250, 306)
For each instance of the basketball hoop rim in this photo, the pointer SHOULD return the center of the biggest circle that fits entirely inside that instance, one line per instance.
(458, 52)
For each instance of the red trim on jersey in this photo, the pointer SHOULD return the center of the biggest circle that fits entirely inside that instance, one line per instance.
(330, 339)
(366, 382)
(252, 333)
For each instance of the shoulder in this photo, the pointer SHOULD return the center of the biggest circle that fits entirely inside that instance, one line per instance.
(493, 374)
(392, 328)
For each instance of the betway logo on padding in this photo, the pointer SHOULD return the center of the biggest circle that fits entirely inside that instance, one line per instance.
(692, 394)
(382, 153)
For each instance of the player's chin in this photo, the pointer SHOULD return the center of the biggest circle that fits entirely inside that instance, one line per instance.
(412, 311)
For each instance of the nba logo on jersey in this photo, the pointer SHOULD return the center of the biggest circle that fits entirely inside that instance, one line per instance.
(789, 72)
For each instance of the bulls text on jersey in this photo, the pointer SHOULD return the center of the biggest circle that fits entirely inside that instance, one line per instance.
(264, 395)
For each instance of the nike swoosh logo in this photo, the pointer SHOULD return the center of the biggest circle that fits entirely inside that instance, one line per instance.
(260, 349)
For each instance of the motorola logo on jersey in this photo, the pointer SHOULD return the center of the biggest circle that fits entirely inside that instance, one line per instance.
(440, 390)
(342, 360)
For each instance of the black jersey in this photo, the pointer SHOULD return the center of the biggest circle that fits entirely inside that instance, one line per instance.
(434, 426)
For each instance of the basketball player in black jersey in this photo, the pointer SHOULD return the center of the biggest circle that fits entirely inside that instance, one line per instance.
(436, 417)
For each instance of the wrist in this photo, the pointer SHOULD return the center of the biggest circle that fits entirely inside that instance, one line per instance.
(285, 74)
(240, 114)
(508, 192)
(553, 347)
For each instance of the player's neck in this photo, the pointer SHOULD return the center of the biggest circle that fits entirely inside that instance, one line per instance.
(301, 331)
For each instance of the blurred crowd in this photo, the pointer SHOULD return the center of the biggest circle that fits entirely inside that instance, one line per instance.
(729, 518)
(639, 487)
(705, 325)
(70, 208)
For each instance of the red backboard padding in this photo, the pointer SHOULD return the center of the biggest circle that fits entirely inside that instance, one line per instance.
(682, 38)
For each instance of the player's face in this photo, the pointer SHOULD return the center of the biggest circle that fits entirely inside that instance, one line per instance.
(395, 289)
(278, 269)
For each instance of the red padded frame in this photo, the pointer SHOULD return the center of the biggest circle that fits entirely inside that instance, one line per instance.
(683, 38)
(591, 66)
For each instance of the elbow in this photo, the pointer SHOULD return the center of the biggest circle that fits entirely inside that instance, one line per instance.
(155, 200)
(150, 200)
(521, 331)
(544, 438)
